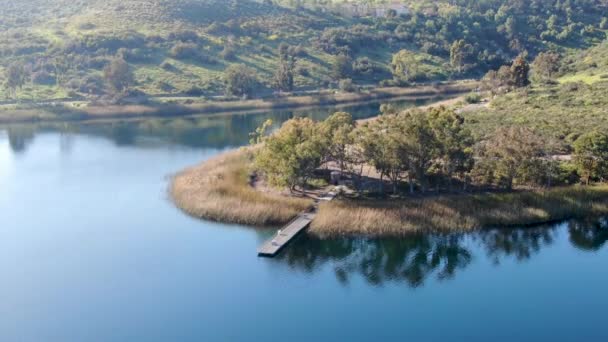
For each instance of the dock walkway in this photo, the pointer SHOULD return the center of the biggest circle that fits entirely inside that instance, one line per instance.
(273, 246)
(284, 236)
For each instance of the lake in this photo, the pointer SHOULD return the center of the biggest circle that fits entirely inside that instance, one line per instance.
(92, 249)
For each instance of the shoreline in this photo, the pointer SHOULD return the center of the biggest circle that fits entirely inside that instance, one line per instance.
(49, 112)
(218, 190)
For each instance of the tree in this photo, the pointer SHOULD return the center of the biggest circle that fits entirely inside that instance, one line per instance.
(421, 146)
(545, 66)
(336, 130)
(260, 133)
(405, 66)
(15, 77)
(382, 145)
(283, 76)
(520, 70)
(118, 75)
(239, 80)
(290, 156)
(509, 155)
(454, 143)
(342, 67)
(591, 156)
(459, 52)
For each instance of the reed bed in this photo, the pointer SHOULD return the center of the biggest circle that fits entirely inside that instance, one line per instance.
(457, 213)
(63, 112)
(219, 190)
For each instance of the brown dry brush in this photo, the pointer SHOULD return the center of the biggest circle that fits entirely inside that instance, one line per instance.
(458, 213)
(219, 190)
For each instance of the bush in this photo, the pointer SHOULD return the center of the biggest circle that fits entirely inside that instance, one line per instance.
(191, 51)
(194, 91)
(347, 85)
(229, 53)
(183, 51)
(240, 80)
(364, 66)
(184, 36)
(43, 77)
(473, 98)
(168, 66)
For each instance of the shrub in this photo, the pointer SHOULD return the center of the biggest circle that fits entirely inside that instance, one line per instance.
(184, 36)
(347, 85)
(43, 77)
(364, 66)
(228, 53)
(168, 66)
(194, 91)
(473, 98)
(190, 51)
(183, 51)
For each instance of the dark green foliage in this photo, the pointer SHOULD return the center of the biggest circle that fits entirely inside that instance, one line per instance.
(15, 76)
(546, 66)
(239, 80)
(591, 156)
(283, 77)
(118, 75)
(447, 38)
(341, 67)
(520, 71)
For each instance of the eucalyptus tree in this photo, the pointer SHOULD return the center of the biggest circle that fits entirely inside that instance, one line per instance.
(454, 143)
(290, 156)
(15, 76)
(337, 131)
(591, 156)
(510, 154)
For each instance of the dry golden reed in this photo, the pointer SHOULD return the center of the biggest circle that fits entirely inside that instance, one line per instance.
(219, 190)
(458, 213)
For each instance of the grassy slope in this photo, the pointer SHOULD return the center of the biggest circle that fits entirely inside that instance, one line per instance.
(578, 104)
(61, 22)
(34, 27)
(561, 111)
(589, 66)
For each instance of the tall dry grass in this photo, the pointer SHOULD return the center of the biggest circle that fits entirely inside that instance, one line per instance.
(219, 190)
(458, 213)
(62, 112)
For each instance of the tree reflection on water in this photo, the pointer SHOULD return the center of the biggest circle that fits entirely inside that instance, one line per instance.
(415, 259)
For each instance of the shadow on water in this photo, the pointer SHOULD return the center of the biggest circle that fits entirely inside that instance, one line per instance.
(415, 259)
(203, 131)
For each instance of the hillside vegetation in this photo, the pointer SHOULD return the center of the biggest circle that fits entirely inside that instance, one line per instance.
(561, 108)
(71, 49)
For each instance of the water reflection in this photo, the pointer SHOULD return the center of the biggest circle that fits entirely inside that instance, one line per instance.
(204, 131)
(415, 259)
(20, 136)
(588, 235)
(520, 244)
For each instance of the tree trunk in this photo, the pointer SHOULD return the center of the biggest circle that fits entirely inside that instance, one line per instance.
(411, 184)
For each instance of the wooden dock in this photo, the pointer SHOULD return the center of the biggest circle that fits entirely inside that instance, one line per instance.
(273, 246)
(284, 236)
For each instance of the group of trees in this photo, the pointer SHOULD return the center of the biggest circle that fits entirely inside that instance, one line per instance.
(424, 150)
(508, 77)
(117, 75)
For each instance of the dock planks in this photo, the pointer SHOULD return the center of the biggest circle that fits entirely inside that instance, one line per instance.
(273, 246)
(284, 236)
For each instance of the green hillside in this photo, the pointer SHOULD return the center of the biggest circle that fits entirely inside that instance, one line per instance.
(182, 47)
(589, 66)
(563, 110)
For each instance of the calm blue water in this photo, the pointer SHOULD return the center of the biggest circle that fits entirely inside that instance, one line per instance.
(92, 250)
